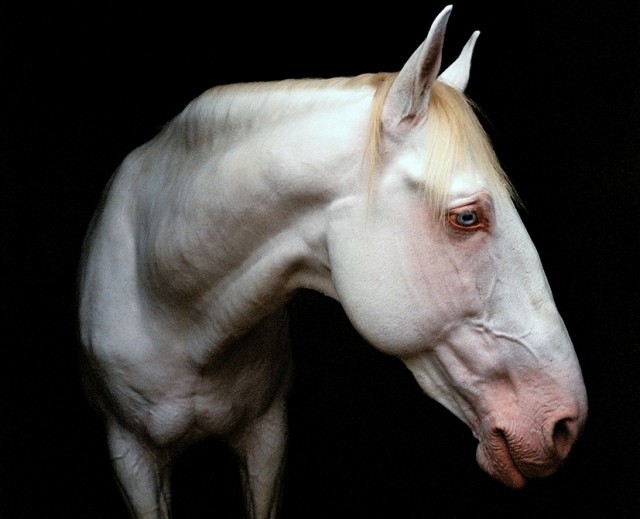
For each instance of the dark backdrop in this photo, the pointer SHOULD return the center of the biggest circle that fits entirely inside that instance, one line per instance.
(83, 84)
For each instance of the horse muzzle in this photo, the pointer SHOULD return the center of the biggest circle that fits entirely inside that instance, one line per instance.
(515, 454)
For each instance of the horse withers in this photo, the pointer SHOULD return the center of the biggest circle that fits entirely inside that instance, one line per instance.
(381, 191)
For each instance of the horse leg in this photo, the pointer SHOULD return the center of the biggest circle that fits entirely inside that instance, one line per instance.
(143, 476)
(261, 449)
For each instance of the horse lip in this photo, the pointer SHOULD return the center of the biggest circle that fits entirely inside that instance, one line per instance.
(494, 457)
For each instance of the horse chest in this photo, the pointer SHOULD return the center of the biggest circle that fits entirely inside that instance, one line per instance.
(193, 403)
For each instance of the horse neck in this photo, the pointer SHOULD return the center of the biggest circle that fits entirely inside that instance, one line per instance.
(247, 228)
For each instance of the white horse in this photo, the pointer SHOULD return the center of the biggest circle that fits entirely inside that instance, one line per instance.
(381, 191)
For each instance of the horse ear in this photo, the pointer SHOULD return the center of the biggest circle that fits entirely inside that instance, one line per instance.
(409, 95)
(457, 74)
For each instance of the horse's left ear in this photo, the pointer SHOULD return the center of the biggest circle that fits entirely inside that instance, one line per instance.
(408, 97)
(457, 74)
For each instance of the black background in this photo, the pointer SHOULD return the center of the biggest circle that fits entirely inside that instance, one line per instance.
(83, 84)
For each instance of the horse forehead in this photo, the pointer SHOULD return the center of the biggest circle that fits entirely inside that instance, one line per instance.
(466, 183)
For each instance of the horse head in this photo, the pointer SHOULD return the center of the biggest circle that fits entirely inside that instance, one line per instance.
(433, 265)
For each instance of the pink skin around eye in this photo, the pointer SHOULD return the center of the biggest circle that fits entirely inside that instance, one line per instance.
(474, 214)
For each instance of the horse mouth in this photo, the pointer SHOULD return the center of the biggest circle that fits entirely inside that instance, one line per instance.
(515, 458)
(494, 457)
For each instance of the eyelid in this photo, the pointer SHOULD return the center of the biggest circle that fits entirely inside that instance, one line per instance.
(480, 198)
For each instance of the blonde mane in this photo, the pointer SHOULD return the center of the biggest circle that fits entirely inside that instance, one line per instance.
(455, 139)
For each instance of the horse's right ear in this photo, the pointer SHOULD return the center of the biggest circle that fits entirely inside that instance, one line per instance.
(408, 97)
(457, 75)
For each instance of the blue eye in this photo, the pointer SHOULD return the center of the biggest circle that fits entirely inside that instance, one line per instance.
(467, 218)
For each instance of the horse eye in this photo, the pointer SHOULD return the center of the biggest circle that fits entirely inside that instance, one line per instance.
(467, 218)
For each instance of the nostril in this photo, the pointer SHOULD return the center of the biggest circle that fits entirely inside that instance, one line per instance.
(563, 436)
